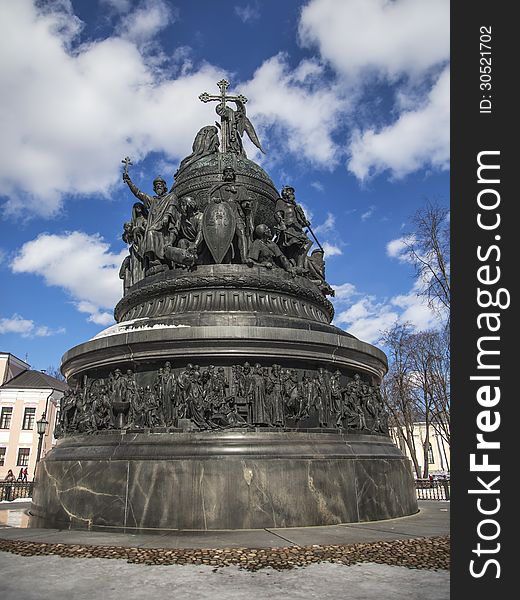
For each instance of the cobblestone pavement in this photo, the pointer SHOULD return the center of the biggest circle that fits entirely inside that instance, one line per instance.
(418, 553)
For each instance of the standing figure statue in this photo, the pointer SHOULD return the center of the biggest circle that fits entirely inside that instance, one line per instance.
(135, 238)
(276, 396)
(335, 398)
(236, 123)
(117, 386)
(183, 385)
(132, 396)
(195, 399)
(248, 383)
(227, 223)
(259, 414)
(320, 400)
(355, 415)
(67, 410)
(326, 398)
(291, 394)
(137, 415)
(311, 395)
(162, 222)
(169, 386)
(291, 220)
(373, 409)
(158, 389)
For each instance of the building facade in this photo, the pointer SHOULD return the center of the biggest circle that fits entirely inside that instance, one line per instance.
(438, 448)
(25, 395)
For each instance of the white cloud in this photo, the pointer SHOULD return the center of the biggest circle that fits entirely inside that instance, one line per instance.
(418, 138)
(415, 311)
(102, 318)
(307, 115)
(248, 13)
(148, 19)
(344, 291)
(67, 118)
(69, 113)
(398, 248)
(390, 39)
(366, 215)
(97, 316)
(80, 264)
(331, 250)
(120, 6)
(16, 324)
(26, 327)
(327, 226)
(318, 186)
(366, 317)
(62, 20)
(403, 43)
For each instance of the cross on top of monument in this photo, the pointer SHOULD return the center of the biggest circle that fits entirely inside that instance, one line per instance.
(233, 123)
(223, 97)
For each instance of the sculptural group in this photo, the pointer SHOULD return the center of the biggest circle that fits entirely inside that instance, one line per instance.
(168, 232)
(206, 398)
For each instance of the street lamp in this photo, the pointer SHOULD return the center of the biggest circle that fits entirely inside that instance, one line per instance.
(41, 427)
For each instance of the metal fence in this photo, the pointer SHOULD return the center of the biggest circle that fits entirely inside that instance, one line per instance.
(438, 489)
(17, 489)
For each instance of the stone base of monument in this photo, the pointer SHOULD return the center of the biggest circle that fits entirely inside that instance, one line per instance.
(240, 479)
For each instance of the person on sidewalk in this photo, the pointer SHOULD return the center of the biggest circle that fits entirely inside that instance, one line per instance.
(9, 479)
(25, 475)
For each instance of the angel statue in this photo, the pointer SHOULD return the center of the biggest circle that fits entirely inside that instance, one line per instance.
(233, 123)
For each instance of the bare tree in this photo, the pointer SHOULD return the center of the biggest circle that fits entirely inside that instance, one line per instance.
(440, 384)
(422, 357)
(417, 388)
(428, 248)
(54, 372)
(397, 388)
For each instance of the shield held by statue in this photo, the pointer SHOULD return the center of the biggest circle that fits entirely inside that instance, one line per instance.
(218, 228)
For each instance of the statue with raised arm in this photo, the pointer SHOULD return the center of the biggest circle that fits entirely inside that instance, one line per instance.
(162, 221)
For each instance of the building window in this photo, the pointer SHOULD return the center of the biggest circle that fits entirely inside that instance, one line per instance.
(431, 459)
(28, 418)
(2, 456)
(23, 457)
(5, 417)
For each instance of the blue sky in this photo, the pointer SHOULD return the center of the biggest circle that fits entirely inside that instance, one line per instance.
(350, 99)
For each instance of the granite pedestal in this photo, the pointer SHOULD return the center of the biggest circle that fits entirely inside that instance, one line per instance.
(228, 480)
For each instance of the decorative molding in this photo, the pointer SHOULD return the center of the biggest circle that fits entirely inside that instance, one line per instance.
(225, 288)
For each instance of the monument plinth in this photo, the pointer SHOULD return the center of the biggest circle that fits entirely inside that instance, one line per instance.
(223, 397)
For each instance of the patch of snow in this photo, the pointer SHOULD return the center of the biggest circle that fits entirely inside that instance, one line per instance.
(133, 325)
